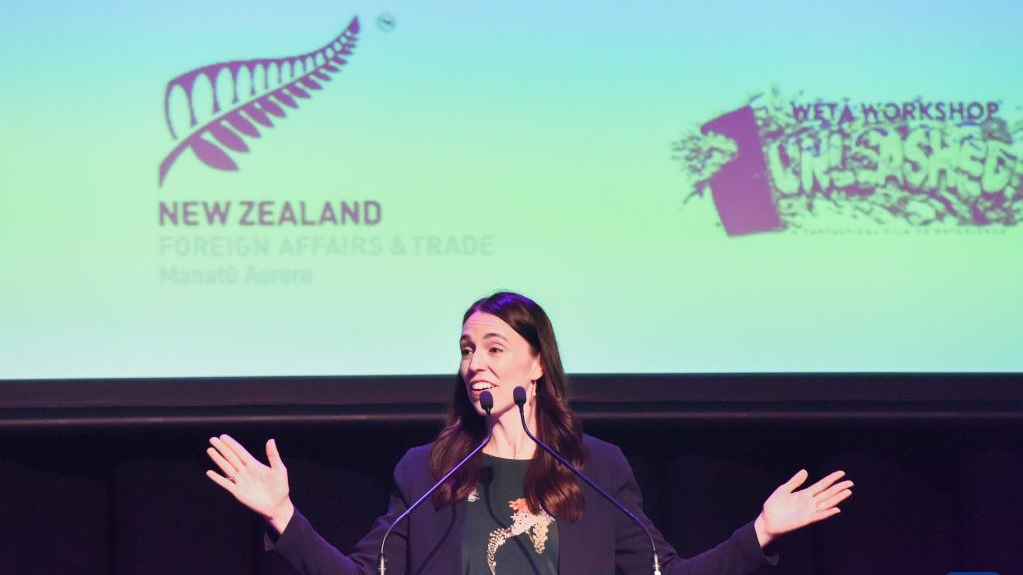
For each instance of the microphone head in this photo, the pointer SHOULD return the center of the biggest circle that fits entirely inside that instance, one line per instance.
(519, 393)
(487, 401)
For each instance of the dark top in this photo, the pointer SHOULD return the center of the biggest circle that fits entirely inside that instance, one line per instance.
(601, 542)
(500, 535)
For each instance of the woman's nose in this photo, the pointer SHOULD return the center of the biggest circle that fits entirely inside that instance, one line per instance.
(476, 362)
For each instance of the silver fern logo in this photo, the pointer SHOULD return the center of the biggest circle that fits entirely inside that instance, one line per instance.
(276, 85)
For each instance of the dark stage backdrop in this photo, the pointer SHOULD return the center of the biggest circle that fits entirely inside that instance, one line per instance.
(122, 490)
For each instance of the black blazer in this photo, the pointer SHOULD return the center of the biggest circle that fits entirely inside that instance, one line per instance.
(602, 541)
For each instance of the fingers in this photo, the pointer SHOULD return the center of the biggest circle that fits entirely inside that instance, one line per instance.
(227, 453)
(222, 481)
(273, 456)
(243, 454)
(824, 514)
(825, 482)
(225, 466)
(831, 491)
(835, 499)
(796, 480)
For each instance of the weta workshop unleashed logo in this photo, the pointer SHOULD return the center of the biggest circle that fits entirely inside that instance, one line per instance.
(781, 164)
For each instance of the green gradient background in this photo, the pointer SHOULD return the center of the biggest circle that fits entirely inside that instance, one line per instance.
(546, 127)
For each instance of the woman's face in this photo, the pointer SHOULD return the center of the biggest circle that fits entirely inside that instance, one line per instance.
(496, 358)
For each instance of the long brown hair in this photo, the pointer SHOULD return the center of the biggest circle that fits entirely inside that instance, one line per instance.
(548, 484)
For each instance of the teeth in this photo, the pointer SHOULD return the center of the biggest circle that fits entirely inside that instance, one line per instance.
(481, 386)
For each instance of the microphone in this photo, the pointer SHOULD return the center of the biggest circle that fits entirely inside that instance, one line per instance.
(520, 400)
(487, 403)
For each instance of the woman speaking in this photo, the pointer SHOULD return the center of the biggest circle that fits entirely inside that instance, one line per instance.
(513, 509)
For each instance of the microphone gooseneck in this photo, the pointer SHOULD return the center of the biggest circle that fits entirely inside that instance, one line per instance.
(487, 403)
(519, 394)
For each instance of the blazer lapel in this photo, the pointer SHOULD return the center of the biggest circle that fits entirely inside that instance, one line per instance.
(571, 546)
(439, 550)
(448, 557)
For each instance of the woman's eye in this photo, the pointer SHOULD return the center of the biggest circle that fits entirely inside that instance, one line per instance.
(466, 351)
(496, 350)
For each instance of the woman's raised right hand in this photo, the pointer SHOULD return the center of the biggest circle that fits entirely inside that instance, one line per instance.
(260, 488)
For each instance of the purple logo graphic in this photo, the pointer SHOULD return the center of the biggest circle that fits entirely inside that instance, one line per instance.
(786, 164)
(741, 188)
(284, 81)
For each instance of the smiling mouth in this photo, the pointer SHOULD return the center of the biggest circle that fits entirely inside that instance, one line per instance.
(482, 386)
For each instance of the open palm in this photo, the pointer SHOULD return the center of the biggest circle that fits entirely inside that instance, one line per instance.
(787, 509)
(261, 488)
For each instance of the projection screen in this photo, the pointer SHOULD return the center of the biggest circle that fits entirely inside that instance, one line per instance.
(196, 189)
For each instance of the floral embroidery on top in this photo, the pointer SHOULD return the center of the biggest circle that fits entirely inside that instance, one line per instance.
(522, 522)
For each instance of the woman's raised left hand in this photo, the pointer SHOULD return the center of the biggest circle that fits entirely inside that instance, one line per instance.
(787, 509)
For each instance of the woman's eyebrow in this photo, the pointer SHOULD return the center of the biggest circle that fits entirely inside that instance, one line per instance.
(466, 338)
